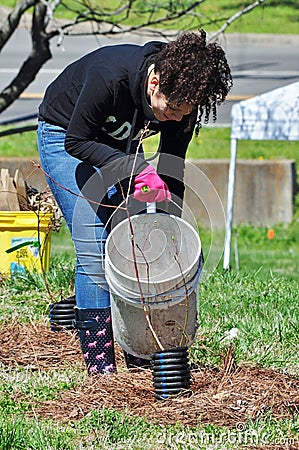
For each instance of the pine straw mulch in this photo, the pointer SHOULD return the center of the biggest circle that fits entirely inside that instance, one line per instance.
(218, 397)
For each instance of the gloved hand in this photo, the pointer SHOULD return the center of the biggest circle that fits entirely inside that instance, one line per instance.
(149, 187)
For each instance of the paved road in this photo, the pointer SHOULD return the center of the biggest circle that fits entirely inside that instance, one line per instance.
(259, 64)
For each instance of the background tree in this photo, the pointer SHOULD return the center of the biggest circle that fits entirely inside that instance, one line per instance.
(155, 17)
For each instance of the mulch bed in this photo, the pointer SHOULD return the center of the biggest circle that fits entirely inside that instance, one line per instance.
(218, 397)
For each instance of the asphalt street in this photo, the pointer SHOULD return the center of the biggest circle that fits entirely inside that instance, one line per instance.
(259, 64)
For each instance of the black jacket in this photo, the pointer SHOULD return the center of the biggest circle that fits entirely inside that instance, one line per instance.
(95, 98)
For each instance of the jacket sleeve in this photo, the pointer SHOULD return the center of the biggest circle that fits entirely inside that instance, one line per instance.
(95, 103)
(174, 141)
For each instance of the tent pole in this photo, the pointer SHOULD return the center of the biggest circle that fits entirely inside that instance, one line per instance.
(230, 203)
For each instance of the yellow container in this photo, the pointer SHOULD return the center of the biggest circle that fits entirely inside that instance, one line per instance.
(27, 236)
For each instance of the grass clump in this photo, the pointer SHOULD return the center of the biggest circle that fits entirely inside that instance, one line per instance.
(263, 310)
(19, 433)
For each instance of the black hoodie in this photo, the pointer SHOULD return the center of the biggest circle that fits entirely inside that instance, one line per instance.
(94, 99)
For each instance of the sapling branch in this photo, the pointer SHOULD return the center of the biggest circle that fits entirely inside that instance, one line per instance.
(184, 332)
(146, 313)
(72, 192)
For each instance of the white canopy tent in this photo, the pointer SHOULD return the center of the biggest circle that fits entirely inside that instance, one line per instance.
(273, 115)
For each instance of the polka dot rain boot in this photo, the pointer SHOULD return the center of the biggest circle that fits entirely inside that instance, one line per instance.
(96, 338)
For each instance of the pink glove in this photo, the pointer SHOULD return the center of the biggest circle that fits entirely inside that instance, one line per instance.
(149, 187)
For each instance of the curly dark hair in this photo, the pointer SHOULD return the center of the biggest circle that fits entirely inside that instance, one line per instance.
(195, 72)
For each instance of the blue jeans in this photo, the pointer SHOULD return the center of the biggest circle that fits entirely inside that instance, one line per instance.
(70, 180)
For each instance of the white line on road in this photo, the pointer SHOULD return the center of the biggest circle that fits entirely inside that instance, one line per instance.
(237, 73)
(232, 98)
(266, 73)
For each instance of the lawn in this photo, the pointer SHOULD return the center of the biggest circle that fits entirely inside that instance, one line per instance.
(245, 389)
(275, 17)
(47, 401)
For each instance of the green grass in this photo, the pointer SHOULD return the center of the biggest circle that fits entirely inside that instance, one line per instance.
(21, 145)
(212, 143)
(21, 434)
(262, 307)
(258, 297)
(274, 16)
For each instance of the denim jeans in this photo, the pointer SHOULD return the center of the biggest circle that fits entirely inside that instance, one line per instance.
(78, 189)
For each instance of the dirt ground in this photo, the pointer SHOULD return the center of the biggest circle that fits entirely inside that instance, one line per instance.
(220, 397)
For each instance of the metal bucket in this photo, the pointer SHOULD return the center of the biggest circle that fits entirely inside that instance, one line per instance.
(152, 267)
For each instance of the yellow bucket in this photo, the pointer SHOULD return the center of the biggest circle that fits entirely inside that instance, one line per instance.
(25, 238)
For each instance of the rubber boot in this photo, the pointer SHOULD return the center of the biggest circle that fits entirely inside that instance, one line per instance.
(96, 338)
(133, 362)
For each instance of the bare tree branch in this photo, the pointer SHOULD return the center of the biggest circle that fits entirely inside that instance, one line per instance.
(153, 17)
(115, 24)
(13, 20)
(40, 53)
(236, 16)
